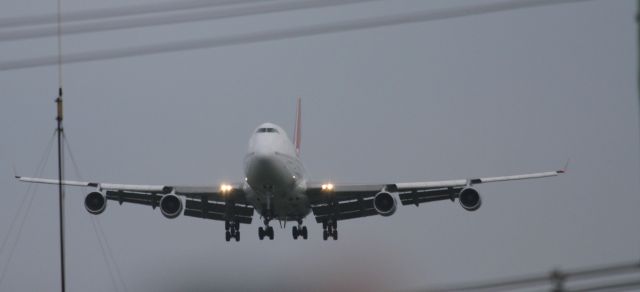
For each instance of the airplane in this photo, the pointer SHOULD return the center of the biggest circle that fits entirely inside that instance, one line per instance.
(275, 185)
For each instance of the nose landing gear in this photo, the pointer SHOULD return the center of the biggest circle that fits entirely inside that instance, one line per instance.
(232, 230)
(330, 229)
(299, 230)
(267, 231)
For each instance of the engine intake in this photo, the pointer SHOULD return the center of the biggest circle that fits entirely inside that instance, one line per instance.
(171, 206)
(95, 203)
(384, 203)
(470, 199)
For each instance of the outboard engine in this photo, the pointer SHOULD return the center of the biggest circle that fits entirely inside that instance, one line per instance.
(470, 199)
(95, 203)
(384, 203)
(171, 206)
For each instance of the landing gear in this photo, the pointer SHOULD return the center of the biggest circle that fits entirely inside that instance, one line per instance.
(330, 229)
(266, 231)
(232, 230)
(299, 231)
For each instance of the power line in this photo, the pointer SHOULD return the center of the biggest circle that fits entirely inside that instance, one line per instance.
(558, 279)
(95, 14)
(24, 213)
(174, 18)
(107, 253)
(290, 33)
(110, 261)
(104, 255)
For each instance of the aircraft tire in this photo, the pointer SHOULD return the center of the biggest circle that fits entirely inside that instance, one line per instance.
(270, 231)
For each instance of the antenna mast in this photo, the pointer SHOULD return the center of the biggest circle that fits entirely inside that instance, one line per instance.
(59, 130)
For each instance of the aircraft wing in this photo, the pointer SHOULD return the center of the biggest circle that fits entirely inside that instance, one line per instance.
(342, 202)
(206, 202)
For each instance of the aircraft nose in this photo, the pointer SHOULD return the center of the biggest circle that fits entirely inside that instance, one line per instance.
(261, 163)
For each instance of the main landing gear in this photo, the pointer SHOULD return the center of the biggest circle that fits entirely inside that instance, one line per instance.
(330, 229)
(266, 231)
(299, 231)
(232, 230)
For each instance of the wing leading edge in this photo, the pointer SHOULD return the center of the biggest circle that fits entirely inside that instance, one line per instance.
(342, 202)
(200, 201)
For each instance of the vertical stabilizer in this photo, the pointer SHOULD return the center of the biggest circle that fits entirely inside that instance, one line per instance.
(297, 132)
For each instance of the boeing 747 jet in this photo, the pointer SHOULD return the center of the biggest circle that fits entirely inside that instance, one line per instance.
(276, 187)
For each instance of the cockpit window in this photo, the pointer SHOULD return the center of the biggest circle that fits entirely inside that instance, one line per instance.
(267, 130)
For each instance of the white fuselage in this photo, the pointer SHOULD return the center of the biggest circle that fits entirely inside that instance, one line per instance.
(275, 180)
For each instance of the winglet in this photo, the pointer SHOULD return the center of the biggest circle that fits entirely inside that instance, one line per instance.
(297, 134)
(566, 167)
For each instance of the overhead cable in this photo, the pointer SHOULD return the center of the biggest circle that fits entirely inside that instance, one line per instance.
(95, 14)
(107, 253)
(288, 33)
(554, 278)
(174, 18)
(23, 211)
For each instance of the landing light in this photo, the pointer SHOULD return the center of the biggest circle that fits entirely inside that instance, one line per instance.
(224, 188)
(327, 187)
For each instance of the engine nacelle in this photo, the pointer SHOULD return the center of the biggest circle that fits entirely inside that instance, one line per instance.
(170, 206)
(95, 203)
(470, 199)
(384, 203)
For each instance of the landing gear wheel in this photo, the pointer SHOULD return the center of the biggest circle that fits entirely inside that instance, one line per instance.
(304, 232)
(325, 234)
(295, 232)
(227, 235)
(335, 234)
(270, 232)
(237, 236)
(261, 233)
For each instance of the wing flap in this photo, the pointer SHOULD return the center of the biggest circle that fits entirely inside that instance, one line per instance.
(358, 205)
(221, 212)
(214, 216)
(416, 198)
(345, 210)
(134, 198)
(348, 215)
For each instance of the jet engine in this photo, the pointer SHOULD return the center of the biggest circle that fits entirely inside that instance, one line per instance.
(171, 206)
(470, 199)
(384, 203)
(95, 203)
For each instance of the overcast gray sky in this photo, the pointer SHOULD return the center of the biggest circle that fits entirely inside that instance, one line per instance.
(487, 95)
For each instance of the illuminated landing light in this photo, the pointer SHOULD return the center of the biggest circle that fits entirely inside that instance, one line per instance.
(225, 188)
(327, 187)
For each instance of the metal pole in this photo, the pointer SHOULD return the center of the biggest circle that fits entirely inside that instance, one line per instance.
(61, 188)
